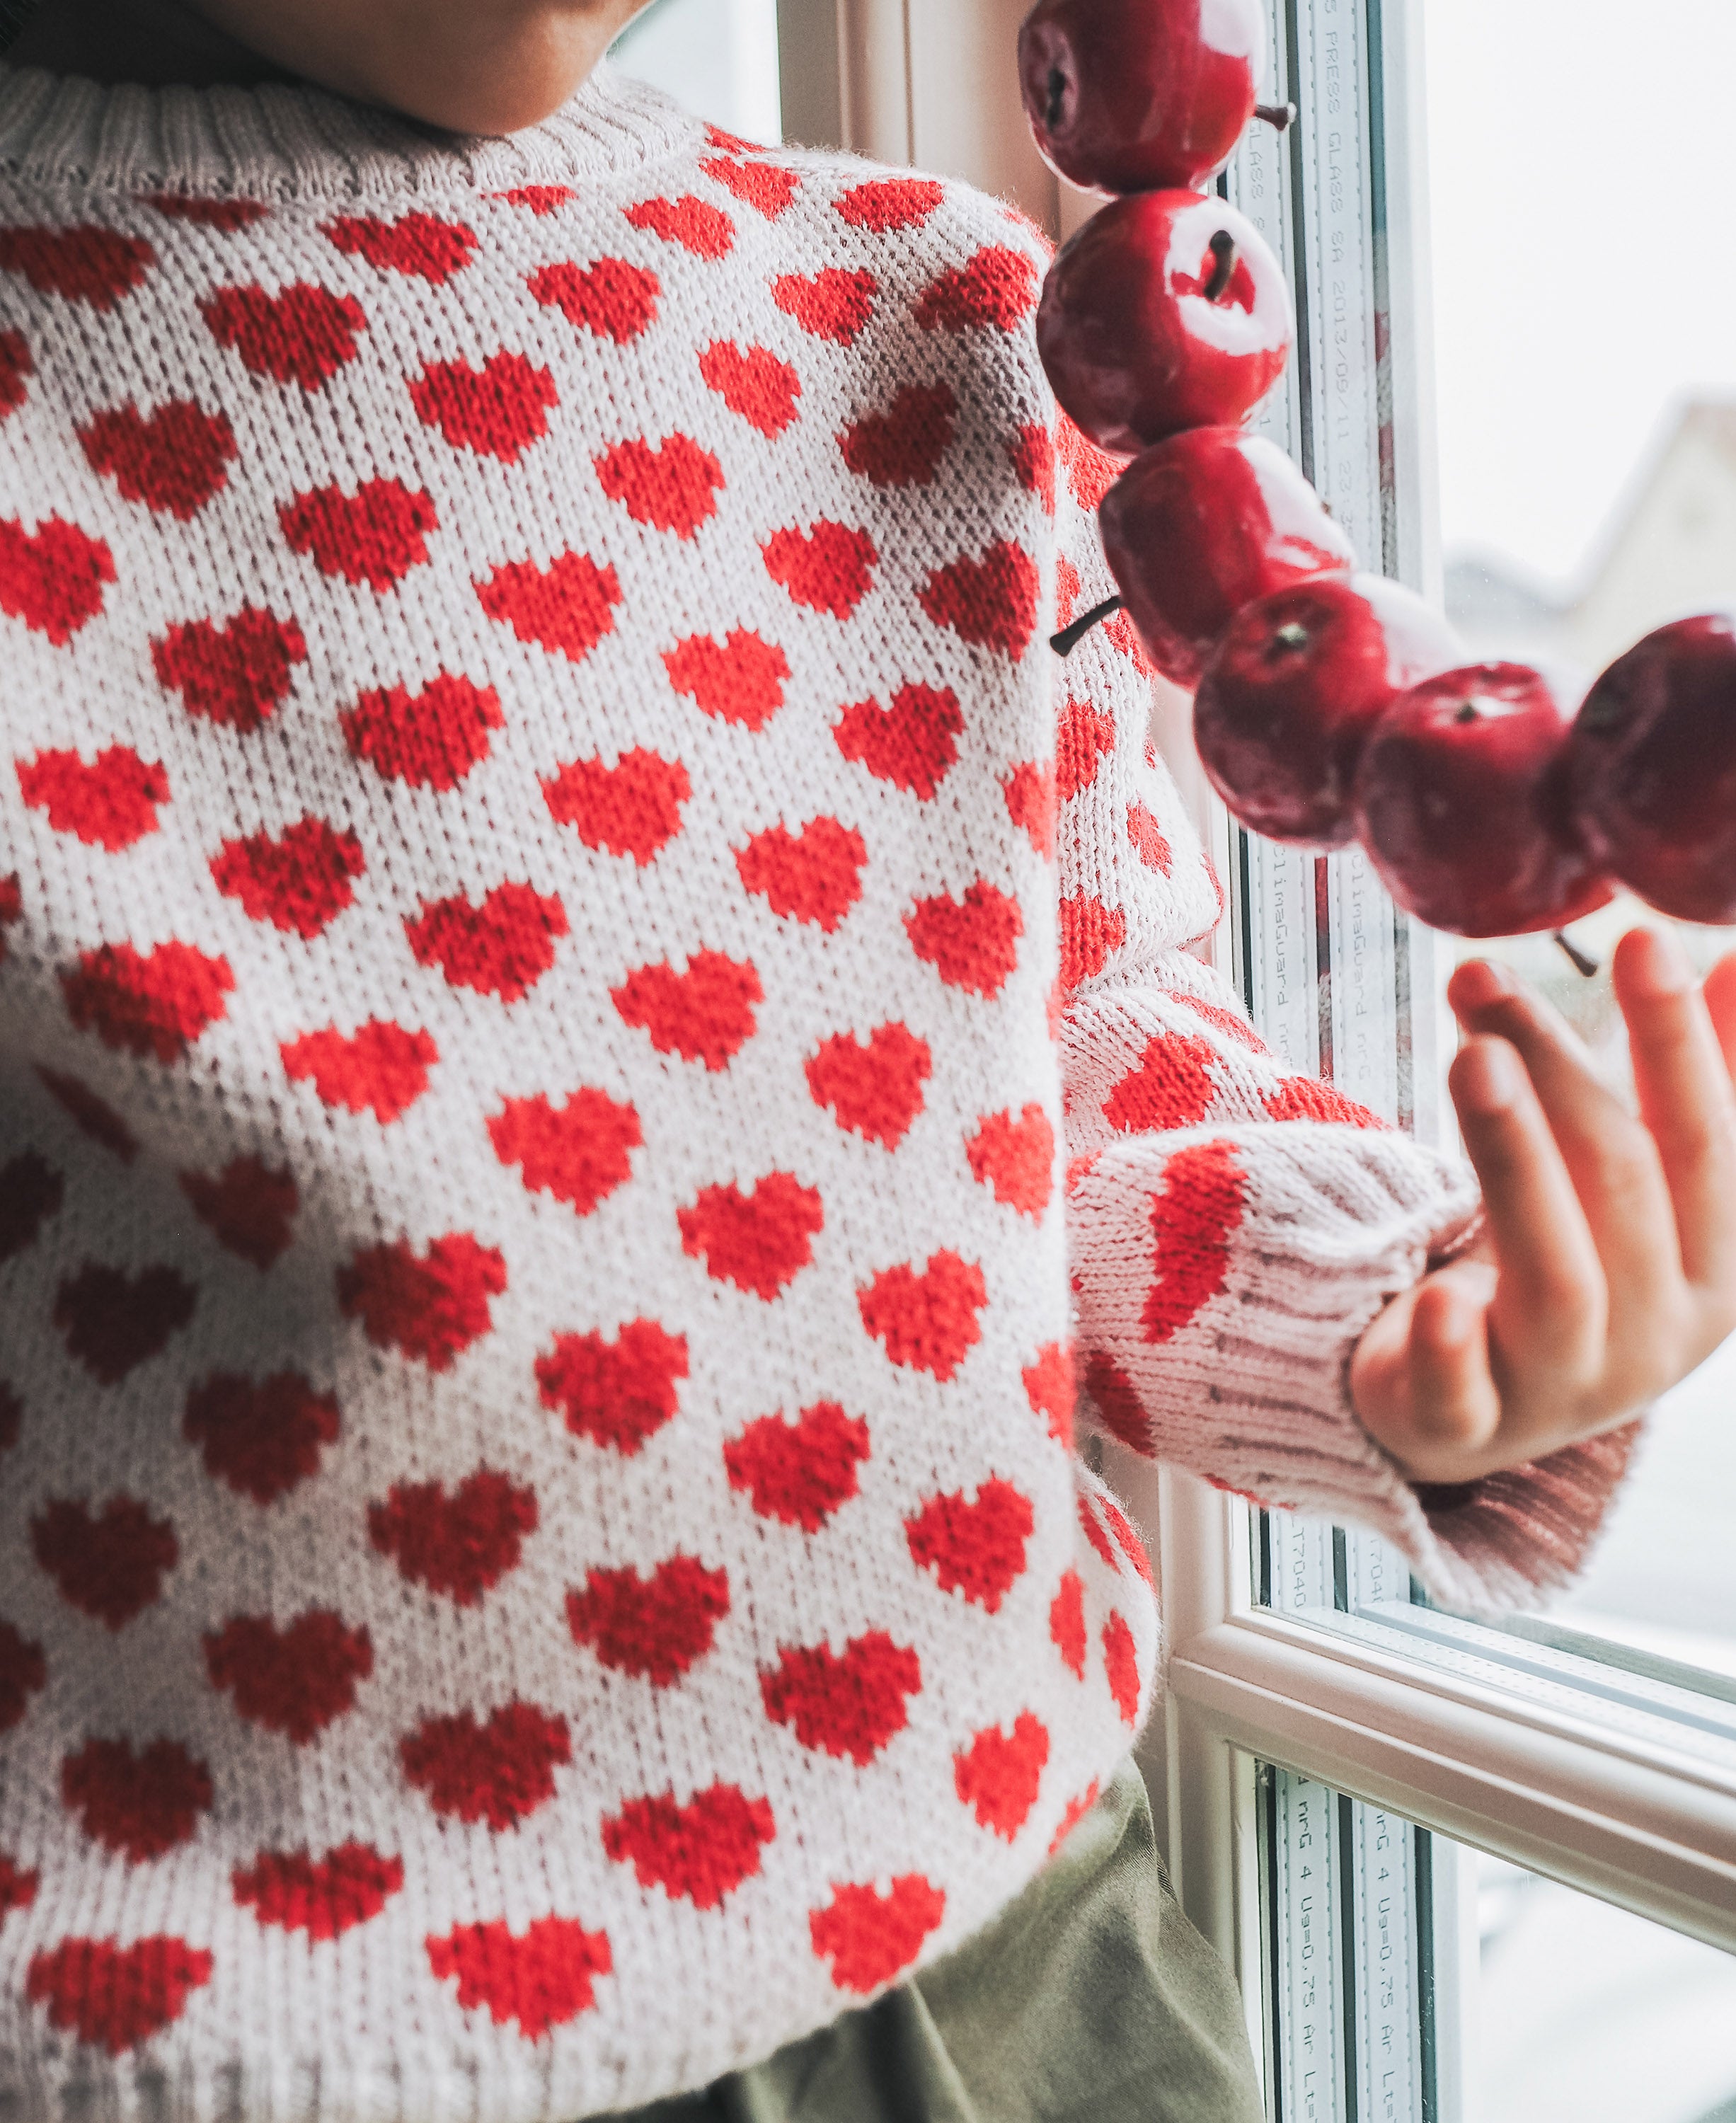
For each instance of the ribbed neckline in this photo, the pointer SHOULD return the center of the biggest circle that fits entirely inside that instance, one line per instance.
(294, 142)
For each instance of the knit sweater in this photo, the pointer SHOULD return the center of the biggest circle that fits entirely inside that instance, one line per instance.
(588, 1019)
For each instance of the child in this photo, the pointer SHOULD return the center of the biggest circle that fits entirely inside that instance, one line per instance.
(579, 1059)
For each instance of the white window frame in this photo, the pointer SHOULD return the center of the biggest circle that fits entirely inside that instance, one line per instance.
(1622, 1788)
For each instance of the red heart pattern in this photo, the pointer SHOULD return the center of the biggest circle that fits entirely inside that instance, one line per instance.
(375, 535)
(1193, 1220)
(1149, 841)
(379, 1068)
(23, 1674)
(999, 1774)
(140, 1806)
(611, 299)
(1091, 934)
(699, 1853)
(175, 460)
(1048, 1386)
(109, 804)
(419, 244)
(499, 1770)
(912, 744)
(631, 808)
(1122, 1412)
(1029, 791)
(757, 385)
(431, 739)
(459, 1545)
(618, 1393)
(1303, 1098)
(1128, 1541)
(740, 680)
(303, 334)
(16, 367)
(873, 1090)
(108, 1564)
(832, 304)
(883, 205)
(705, 230)
(1015, 1157)
(996, 290)
(1032, 453)
(325, 1897)
(249, 1206)
(814, 874)
(904, 445)
(1171, 1086)
(154, 1004)
(975, 1546)
(706, 1013)
(828, 568)
(579, 1151)
(114, 1321)
(1067, 1623)
(536, 1980)
(113, 1996)
(540, 200)
(237, 675)
(228, 215)
(992, 604)
(764, 186)
(566, 607)
(1084, 735)
(849, 1705)
(1121, 1668)
(262, 1439)
(973, 944)
(498, 410)
(799, 1473)
(300, 882)
(52, 578)
(296, 1680)
(657, 1628)
(502, 948)
(87, 265)
(430, 1307)
(17, 1887)
(672, 485)
(870, 1938)
(760, 1239)
(928, 1322)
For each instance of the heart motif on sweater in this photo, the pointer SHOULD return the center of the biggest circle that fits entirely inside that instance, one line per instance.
(927, 1320)
(459, 1544)
(631, 808)
(499, 1770)
(140, 1806)
(992, 604)
(235, 675)
(740, 680)
(998, 1775)
(380, 1068)
(30, 1192)
(566, 607)
(228, 215)
(375, 535)
(418, 244)
(579, 1152)
(1171, 1086)
(757, 385)
(673, 485)
(23, 1674)
(1091, 933)
(827, 568)
(174, 460)
(832, 304)
(1048, 1381)
(430, 1307)
(698, 1852)
(540, 1978)
(116, 1997)
(912, 744)
(16, 367)
(703, 1014)
(1015, 1156)
(261, 1437)
(151, 1003)
(296, 1680)
(1084, 735)
(249, 1206)
(696, 225)
(1067, 1623)
(1193, 1221)
(498, 410)
(85, 264)
(299, 881)
(113, 1321)
(656, 1627)
(302, 335)
(325, 1897)
(996, 290)
(1302, 1098)
(814, 874)
(874, 1089)
(502, 948)
(905, 445)
(973, 1545)
(885, 204)
(1031, 451)
(760, 1240)
(17, 1887)
(1121, 1668)
(848, 1704)
(540, 200)
(799, 1473)
(430, 739)
(973, 944)
(1148, 839)
(764, 186)
(870, 1937)
(617, 1393)
(1029, 791)
(108, 1564)
(611, 299)
(110, 803)
(52, 578)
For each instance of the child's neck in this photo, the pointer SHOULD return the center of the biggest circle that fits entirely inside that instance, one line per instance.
(156, 43)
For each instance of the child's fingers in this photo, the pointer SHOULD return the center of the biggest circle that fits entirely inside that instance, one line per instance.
(1687, 1100)
(1552, 1303)
(1420, 1379)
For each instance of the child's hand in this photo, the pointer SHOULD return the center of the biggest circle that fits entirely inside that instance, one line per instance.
(1607, 1272)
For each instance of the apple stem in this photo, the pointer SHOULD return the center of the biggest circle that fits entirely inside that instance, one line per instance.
(1222, 248)
(1068, 638)
(1582, 964)
(1279, 116)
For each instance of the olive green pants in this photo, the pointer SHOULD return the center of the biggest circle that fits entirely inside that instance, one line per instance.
(1091, 1999)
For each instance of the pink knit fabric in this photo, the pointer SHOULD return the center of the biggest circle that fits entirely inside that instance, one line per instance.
(541, 1554)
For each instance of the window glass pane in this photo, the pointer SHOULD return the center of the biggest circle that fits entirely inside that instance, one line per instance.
(719, 57)
(1586, 374)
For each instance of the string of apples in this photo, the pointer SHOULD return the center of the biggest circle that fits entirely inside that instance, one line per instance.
(1329, 706)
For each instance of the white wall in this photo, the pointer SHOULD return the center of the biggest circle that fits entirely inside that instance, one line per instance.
(719, 57)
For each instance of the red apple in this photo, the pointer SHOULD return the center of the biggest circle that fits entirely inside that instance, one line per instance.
(1461, 803)
(1652, 769)
(1203, 524)
(1295, 685)
(1166, 311)
(1134, 96)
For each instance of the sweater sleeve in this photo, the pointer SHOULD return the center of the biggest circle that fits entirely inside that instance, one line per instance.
(1233, 1227)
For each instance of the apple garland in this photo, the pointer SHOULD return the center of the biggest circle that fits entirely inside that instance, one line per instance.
(1329, 706)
